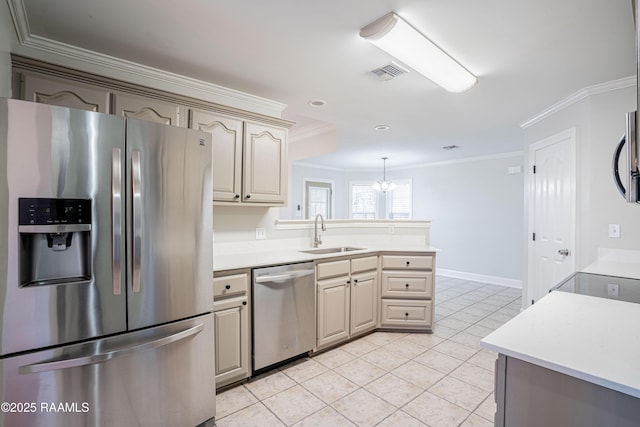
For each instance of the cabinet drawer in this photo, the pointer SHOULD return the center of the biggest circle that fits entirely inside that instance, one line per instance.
(406, 313)
(333, 269)
(420, 262)
(227, 286)
(364, 264)
(407, 284)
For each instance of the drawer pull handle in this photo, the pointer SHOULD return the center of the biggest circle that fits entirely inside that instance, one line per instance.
(227, 287)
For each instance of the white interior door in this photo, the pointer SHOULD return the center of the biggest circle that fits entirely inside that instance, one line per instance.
(553, 209)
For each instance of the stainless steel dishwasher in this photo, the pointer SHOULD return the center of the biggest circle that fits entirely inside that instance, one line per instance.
(284, 324)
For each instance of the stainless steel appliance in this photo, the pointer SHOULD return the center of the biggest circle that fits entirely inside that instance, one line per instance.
(602, 286)
(629, 183)
(283, 313)
(105, 270)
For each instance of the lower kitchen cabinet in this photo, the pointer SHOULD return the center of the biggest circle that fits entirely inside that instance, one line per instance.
(347, 299)
(231, 310)
(407, 291)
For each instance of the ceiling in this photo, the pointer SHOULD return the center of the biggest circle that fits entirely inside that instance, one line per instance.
(526, 54)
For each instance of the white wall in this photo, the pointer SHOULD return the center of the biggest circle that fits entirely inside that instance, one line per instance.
(599, 120)
(7, 39)
(476, 210)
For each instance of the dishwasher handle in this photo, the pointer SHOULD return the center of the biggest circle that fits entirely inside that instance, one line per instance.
(283, 277)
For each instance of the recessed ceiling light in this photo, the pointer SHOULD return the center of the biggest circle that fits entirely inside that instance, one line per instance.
(450, 147)
(382, 127)
(317, 103)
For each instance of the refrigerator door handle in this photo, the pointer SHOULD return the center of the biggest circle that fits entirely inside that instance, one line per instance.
(116, 220)
(136, 196)
(90, 359)
(616, 168)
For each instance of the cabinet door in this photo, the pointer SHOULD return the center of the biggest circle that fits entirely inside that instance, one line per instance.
(227, 153)
(149, 109)
(265, 164)
(65, 93)
(364, 302)
(333, 310)
(231, 319)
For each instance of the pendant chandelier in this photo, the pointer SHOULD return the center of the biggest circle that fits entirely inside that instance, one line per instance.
(383, 184)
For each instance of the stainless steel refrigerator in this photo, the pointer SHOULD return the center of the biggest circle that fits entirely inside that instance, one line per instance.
(105, 270)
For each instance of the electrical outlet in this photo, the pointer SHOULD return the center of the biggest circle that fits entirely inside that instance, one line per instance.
(614, 230)
(613, 289)
(261, 233)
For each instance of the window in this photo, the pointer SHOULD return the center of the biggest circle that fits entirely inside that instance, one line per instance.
(318, 198)
(363, 201)
(367, 203)
(399, 200)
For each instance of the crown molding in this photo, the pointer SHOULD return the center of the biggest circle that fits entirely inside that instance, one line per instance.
(417, 166)
(579, 96)
(45, 49)
(302, 133)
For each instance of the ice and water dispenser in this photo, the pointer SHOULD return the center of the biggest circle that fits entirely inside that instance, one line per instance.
(55, 241)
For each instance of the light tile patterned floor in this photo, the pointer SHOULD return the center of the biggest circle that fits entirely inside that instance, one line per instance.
(389, 379)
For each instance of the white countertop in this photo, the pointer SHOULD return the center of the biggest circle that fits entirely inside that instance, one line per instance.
(590, 338)
(276, 255)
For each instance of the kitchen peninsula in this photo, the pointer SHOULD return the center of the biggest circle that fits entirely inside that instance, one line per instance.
(365, 280)
(569, 360)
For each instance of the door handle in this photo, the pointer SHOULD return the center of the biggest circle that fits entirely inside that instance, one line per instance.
(285, 276)
(98, 357)
(116, 220)
(563, 252)
(136, 197)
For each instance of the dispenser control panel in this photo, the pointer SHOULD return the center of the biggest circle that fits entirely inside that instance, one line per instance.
(54, 211)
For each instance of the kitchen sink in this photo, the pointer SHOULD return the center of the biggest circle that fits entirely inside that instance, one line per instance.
(332, 250)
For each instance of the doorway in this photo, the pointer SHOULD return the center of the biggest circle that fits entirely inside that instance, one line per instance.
(552, 212)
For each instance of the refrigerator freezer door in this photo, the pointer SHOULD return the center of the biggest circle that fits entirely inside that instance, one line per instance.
(156, 377)
(57, 153)
(169, 223)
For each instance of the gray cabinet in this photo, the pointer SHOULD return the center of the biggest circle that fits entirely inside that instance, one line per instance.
(65, 93)
(149, 109)
(232, 326)
(347, 299)
(529, 395)
(249, 159)
(407, 291)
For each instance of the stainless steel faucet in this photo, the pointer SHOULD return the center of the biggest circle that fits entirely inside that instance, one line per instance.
(316, 237)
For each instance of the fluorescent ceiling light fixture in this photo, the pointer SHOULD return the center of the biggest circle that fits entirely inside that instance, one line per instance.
(399, 39)
(382, 184)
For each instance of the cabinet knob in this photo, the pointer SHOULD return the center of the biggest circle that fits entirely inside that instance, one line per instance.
(406, 285)
(406, 314)
(227, 287)
(237, 196)
(248, 196)
(355, 280)
(348, 281)
(244, 303)
(408, 262)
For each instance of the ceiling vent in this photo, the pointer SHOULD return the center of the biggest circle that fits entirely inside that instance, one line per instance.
(390, 71)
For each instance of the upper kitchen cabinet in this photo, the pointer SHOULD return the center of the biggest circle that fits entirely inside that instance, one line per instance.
(249, 159)
(149, 109)
(265, 164)
(226, 135)
(65, 93)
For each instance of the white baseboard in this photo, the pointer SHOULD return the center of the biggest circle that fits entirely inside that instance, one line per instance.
(493, 280)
